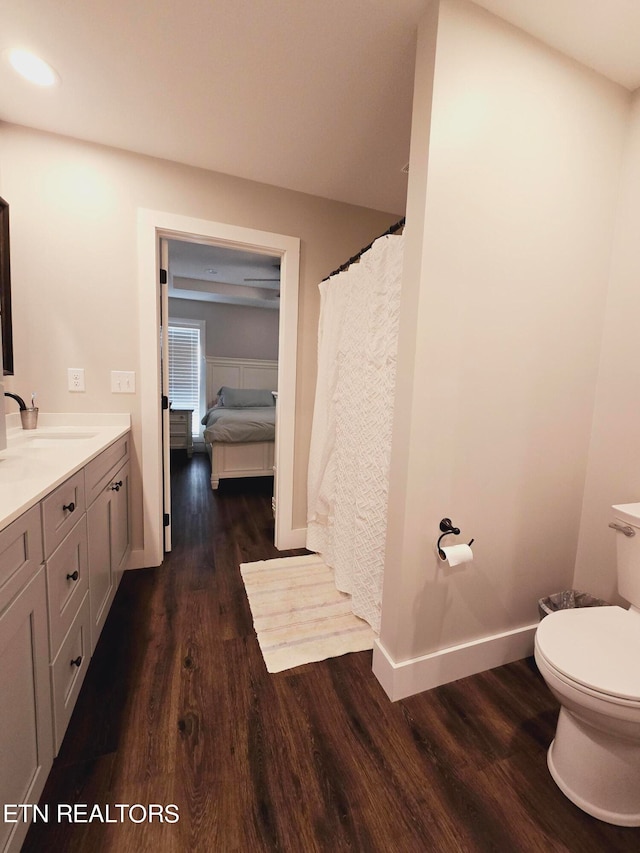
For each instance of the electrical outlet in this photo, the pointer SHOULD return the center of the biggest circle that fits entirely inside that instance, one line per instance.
(123, 381)
(75, 378)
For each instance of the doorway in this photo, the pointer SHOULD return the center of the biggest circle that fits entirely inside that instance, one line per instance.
(152, 227)
(222, 308)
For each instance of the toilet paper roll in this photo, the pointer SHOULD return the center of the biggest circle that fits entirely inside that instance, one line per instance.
(457, 554)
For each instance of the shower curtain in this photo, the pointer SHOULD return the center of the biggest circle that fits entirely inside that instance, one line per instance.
(352, 422)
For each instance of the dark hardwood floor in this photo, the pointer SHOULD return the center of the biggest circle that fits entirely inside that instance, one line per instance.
(177, 707)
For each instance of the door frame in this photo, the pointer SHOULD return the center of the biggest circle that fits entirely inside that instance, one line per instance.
(165, 417)
(153, 225)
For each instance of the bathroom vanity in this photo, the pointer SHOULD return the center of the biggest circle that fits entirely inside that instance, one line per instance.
(64, 542)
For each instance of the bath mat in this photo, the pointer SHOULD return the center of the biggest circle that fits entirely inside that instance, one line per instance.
(299, 615)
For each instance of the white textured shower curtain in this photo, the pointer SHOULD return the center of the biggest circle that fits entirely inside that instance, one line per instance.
(352, 421)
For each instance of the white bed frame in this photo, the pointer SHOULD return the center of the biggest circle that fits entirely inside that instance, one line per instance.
(251, 459)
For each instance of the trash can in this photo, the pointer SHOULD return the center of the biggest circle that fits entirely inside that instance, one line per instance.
(568, 599)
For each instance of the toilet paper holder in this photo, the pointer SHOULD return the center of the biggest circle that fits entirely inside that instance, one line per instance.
(447, 527)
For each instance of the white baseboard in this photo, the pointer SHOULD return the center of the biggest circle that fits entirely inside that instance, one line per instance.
(136, 559)
(294, 538)
(400, 680)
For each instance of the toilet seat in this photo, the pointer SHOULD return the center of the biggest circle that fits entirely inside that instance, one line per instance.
(595, 649)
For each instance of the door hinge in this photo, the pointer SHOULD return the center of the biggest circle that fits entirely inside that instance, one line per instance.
(167, 519)
(165, 401)
(163, 276)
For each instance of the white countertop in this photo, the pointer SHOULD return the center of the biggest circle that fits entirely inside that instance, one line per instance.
(36, 461)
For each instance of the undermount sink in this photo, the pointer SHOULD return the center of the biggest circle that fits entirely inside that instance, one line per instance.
(46, 439)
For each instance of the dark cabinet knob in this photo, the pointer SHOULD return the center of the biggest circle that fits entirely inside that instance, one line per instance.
(77, 661)
(74, 576)
(116, 486)
(70, 506)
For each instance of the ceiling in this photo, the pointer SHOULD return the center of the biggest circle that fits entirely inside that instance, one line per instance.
(601, 34)
(311, 95)
(207, 273)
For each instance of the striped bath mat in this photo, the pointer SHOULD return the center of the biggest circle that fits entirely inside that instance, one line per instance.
(298, 613)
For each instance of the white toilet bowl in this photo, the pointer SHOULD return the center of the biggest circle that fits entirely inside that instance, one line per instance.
(590, 660)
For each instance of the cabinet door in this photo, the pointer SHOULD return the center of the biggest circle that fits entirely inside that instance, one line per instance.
(26, 742)
(120, 522)
(108, 528)
(101, 576)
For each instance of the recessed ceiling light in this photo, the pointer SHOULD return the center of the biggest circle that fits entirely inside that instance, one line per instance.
(32, 68)
(212, 272)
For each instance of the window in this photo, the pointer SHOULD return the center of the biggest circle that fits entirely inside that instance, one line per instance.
(186, 375)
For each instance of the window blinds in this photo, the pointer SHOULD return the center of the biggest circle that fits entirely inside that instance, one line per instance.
(184, 368)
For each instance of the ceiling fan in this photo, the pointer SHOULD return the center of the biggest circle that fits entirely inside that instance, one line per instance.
(277, 280)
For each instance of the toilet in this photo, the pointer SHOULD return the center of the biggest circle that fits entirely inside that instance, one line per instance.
(590, 660)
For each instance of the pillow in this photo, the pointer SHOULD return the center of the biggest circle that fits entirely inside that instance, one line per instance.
(244, 398)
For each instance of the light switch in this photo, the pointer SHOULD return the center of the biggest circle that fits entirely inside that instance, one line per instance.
(123, 381)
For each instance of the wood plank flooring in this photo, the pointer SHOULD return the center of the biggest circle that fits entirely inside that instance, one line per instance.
(177, 707)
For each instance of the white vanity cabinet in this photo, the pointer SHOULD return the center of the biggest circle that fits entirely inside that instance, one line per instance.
(60, 564)
(107, 487)
(26, 733)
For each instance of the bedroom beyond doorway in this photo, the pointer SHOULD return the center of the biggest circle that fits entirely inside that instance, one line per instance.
(223, 334)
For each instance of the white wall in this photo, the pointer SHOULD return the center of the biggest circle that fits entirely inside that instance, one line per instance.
(75, 276)
(508, 244)
(232, 331)
(613, 474)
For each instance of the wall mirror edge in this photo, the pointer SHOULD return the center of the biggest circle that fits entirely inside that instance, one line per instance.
(5, 291)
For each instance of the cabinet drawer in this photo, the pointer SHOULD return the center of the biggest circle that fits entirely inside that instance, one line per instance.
(67, 582)
(100, 470)
(20, 554)
(61, 510)
(68, 671)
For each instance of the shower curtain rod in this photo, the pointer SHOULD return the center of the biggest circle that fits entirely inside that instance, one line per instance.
(398, 225)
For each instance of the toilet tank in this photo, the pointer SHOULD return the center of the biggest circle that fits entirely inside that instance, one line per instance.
(628, 552)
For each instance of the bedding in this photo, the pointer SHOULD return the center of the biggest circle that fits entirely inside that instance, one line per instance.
(239, 433)
(244, 398)
(240, 424)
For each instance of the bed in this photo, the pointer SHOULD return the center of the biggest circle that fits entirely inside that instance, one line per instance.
(239, 425)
